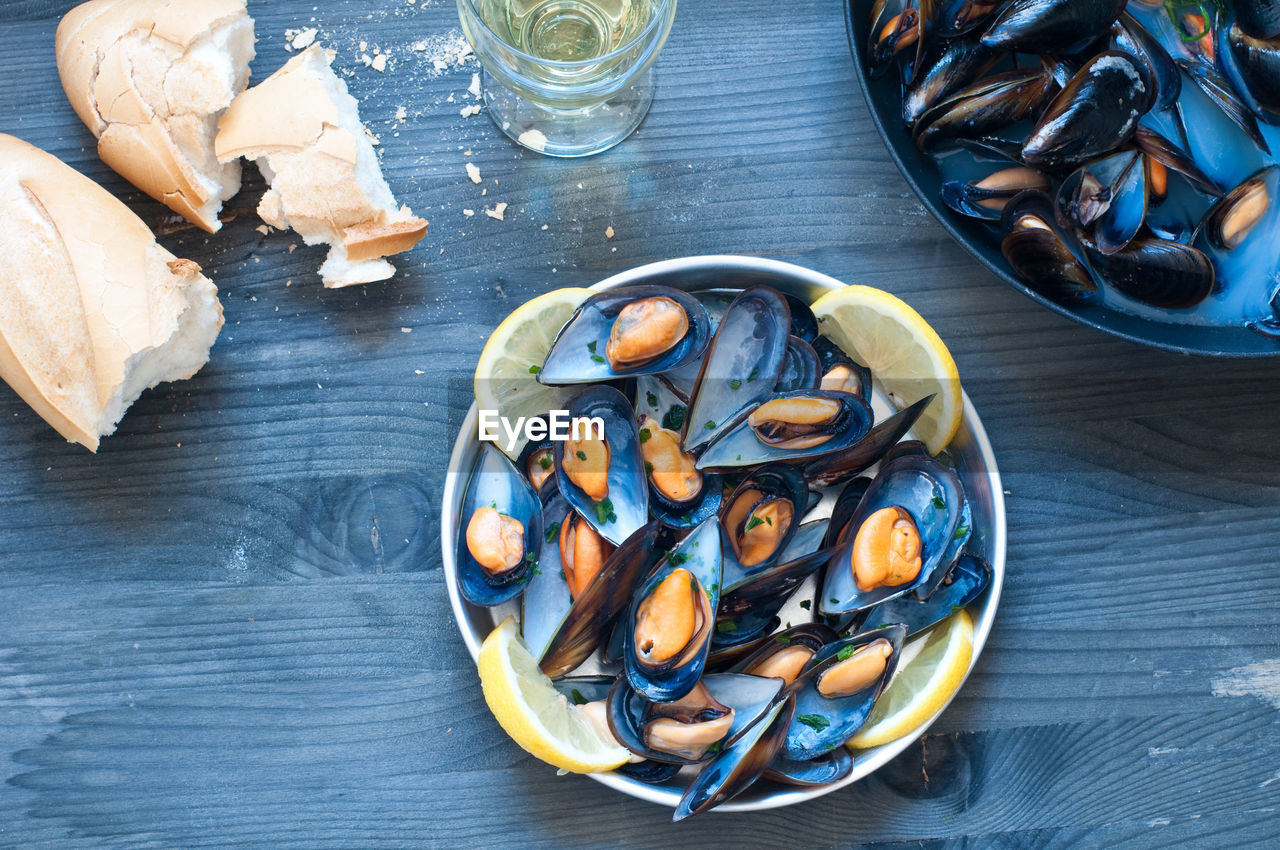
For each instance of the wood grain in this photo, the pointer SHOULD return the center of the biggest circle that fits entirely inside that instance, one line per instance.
(230, 628)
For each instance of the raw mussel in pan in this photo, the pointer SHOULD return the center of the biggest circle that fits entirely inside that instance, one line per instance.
(741, 367)
(691, 729)
(600, 469)
(633, 330)
(502, 531)
(902, 529)
(669, 625)
(792, 427)
(835, 693)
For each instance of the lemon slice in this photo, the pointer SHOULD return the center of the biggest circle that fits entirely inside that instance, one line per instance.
(902, 351)
(506, 376)
(537, 716)
(920, 687)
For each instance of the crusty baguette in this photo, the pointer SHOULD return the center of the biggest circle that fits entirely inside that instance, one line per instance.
(92, 310)
(304, 131)
(150, 79)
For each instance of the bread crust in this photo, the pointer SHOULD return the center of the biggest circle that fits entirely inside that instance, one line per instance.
(300, 123)
(87, 297)
(141, 135)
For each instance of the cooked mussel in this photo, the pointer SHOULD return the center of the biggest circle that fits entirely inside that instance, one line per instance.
(1094, 113)
(1233, 219)
(787, 653)
(537, 462)
(1156, 271)
(741, 367)
(837, 689)
(957, 65)
(1107, 200)
(760, 517)
(896, 26)
(502, 531)
(898, 535)
(672, 617)
(627, 331)
(792, 427)
(691, 729)
(967, 579)
(840, 373)
(600, 468)
(802, 369)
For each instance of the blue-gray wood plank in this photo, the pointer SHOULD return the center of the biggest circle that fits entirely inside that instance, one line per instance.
(200, 645)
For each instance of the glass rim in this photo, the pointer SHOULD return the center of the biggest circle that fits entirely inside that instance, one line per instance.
(661, 8)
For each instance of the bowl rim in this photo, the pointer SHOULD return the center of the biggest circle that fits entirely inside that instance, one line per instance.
(944, 218)
(867, 761)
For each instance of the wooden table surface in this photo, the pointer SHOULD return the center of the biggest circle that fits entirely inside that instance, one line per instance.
(202, 643)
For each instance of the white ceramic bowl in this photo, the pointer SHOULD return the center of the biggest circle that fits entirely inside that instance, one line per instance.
(970, 450)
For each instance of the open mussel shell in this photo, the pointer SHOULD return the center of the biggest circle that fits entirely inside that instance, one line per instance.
(831, 766)
(629, 712)
(669, 628)
(580, 690)
(1107, 199)
(680, 494)
(931, 494)
(580, 353)
(1239, 235)
(625, 507)
(738, 766)
(899, 27)
(840, 371)
(846, 503)
(749, 606)
(804, 325)
(741, 367)
(496, 483)
(1220, 91)
(862, 455)
(655, 397)
(1093, 114)
(789, 422)
(1252, 64)
(753, 545)
(960, 539)
(957, 64)
(786, 654)
(967, 579)
(823, 723)
(546, 598)
(802, 369)
(1040, 251)
(538, 463)
(986, 198)
(1053, 27)
(589, 617)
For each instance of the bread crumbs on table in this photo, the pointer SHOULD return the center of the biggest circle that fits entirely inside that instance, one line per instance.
(498, 212)
(473, 172)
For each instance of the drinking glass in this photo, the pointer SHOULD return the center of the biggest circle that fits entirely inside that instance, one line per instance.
(567, 77)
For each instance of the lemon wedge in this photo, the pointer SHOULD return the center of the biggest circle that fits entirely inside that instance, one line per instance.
(506, 375)
(923, 684)
(537, 716)
(903, 352)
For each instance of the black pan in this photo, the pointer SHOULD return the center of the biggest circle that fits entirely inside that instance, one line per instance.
(884, 97)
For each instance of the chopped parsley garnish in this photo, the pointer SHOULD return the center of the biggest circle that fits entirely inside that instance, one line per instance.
(753, 522)
(814, 721)
(552, 531)
(648, 468)
(545, 461)
(604, 511)
(651, 398)
(755, 373)
(955, 608)
(581, 454)
(845, 653)
(726, 626)
(677, 558)
(532, 560)
(591, 346)
(834, 601)
(784, 640)
(577, 697)
(735, 384)
(596, 358)
(805, 604)
(961, 530)
(533, 370)
(673, 419)
(710, 424)
(645, 434)
(715, 747)
(937, 502)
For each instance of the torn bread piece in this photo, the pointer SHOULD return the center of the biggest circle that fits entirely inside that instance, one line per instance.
(92, 310)
(303, 129)
(150, 78)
